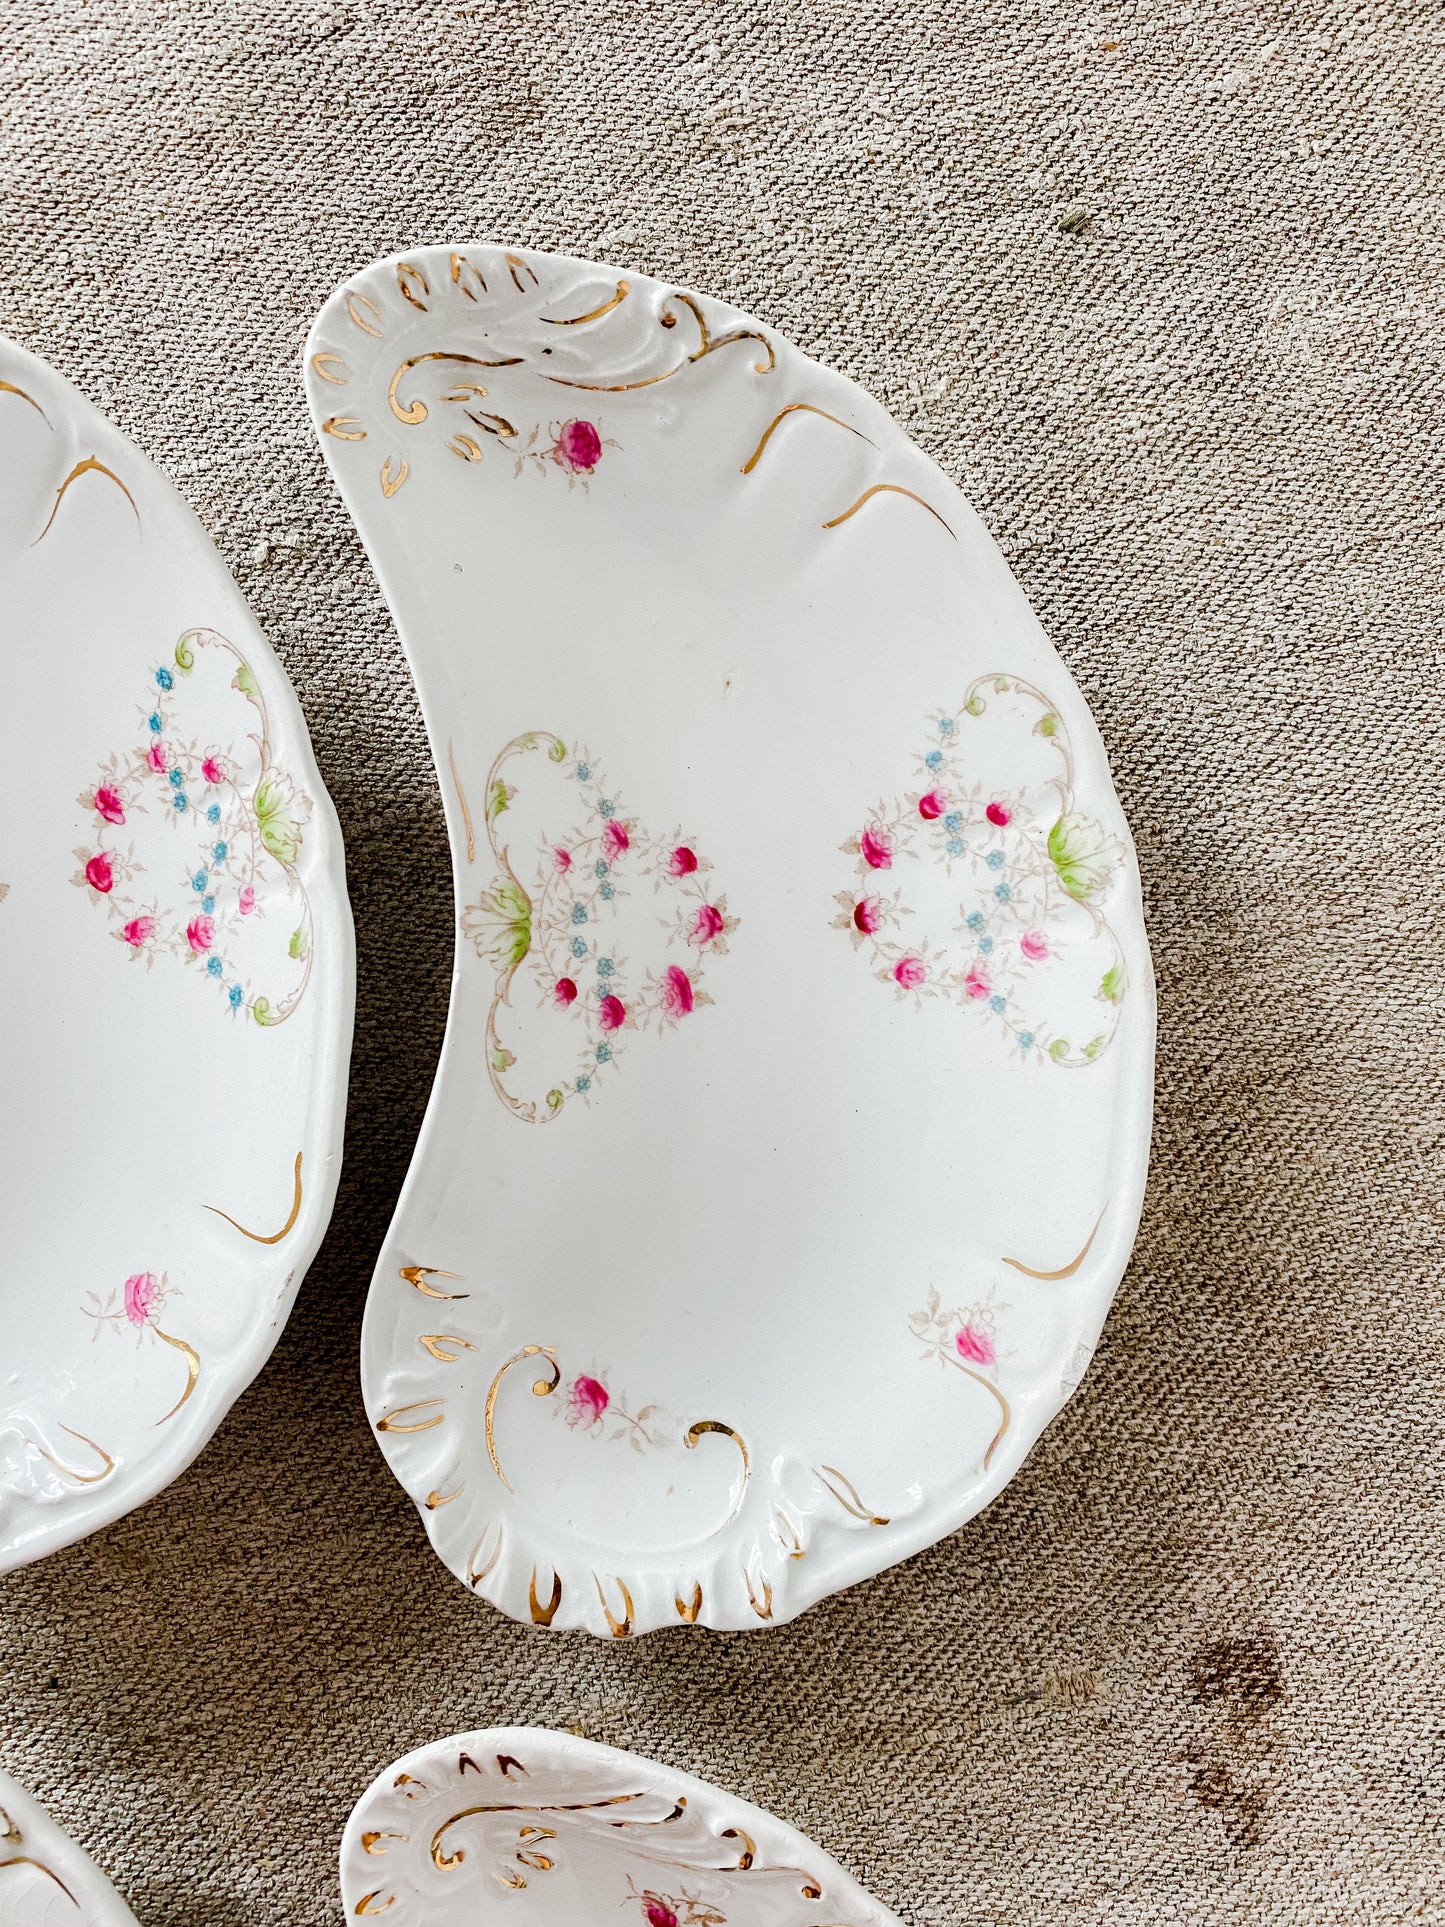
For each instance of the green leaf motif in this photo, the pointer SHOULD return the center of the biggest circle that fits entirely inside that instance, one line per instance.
(279, 813)
(974, 705)
(501, 924)
(558, 754)
(1094, 1046)
(555, 1100)
(498, 797)
(1115, 983)
(245, 680)
(1048, 725)
(1059, 1049)
(185, 656)
(1079, 849)
(502, 1058)
(300, 943)
(261, 1011)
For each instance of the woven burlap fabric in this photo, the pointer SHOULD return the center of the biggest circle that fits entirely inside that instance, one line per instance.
(1191, 1666)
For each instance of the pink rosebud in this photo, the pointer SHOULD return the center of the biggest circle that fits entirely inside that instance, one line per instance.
(246, 901)
(615, 840)
(587, 1400)
(139, 931)
(867, 915)
(565, 993)
(676, 991)
(610, 1013)
(932, 805)
(1035, 945)
(910, 972)
(682, 862)
(156, 756)
(108, 804)
(98, 873)
(975, 983)
(141, 1292)
(578, 447)
(999, 814)
(562, 858)
(201, 933)
(877, 848)
(212, 770)
(659, 1915)
(707, 924)
(974, 1343)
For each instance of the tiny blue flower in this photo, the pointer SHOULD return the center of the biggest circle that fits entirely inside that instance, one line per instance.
(994, 859)
(220, 852)
(198, 881)
(1026, 1040)
(234, 996)
(934, 759)
(604, 966)
(582, 1086)
(213, 966)
(945, 725)
(605, 808)
(579, 946)
(985, 944)
(599, 868)
(584, 772)
(975, 920)
(175, 778)
(998, 1003)
(604, 1053)
(154, 720)
(953, 821)
(213, 814)
(607, 893)
(208, 904)
(954, 846)
(579, 913)
(164, 677)
(1002, 892)
(178, 800)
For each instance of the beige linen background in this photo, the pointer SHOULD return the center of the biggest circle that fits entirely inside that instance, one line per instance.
(1191, 1667)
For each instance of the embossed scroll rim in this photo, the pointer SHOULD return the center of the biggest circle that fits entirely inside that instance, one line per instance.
(29, 1838)
(165, 526)
(353, 347)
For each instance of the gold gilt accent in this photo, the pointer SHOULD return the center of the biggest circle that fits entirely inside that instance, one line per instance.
(369, 1842)
(592, 314)
(89, 466)
(325, 364)
(435, 1343)
(436, 1498)
(345, 428)
(1066, 1271)
(666, 1820)
(699, 1431)
(477, 1573)
(811, 1889)
(888, 488)
(417, 411)
(389, 1424)
(449, 1861)
(544, 1615)
(518, 267)
(750, 1846)
(800, 408)
(25, 1860)
(467, 446)
(688, 1612)
(11, 1835)
(364, 1906)
(785, 1531)
(275, 1237)
(390, 482)
(408, 280)
(193, 1369)
(847, 1496)
(1003, 1405)
(415, 1274)
(461, 267)
(9, 388)
(354, 304)
(620, 1628)
(80, 1478)
(410, 1779)
(706, 346)
(452, 760)
(764, 1607)
(465, 1762)
(505, 1763)
(541, 1387)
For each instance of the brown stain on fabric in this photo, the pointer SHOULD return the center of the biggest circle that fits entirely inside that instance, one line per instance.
(1236, 1684)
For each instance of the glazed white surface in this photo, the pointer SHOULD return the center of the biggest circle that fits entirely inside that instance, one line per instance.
(45, 1879)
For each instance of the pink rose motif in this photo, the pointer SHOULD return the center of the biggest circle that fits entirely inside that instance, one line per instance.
(246, 901)
(999, 814)
(141, 1291)
(707, 924)
(212, 770)
(974, 1343)
(676, 991)
(201, 934)
(587, 1400)
(877, 848)
(615, 840)
(108, 804)
(98, 873)
(563, 859)
(578, 447)
(659, 1914)
(139, 931)
(975, 983)
(1035, 945)
(910, 972)
(682, 862)
(565, 993)
(156, 756)
(868, 915)
(933, 805)
(611, 1012)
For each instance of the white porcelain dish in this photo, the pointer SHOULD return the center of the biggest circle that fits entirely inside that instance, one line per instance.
(176, 956)
(552, 1831)
(790, 1131)
(45, 1879)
